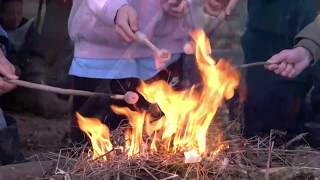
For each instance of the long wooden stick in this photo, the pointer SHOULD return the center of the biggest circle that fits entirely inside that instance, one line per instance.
(62, 91)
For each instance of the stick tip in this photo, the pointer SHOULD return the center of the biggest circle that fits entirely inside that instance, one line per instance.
(131, 97)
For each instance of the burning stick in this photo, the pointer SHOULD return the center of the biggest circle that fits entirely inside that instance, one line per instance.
(129, 97)
(161, 54)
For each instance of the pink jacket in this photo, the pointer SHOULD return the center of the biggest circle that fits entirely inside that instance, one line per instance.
(91, 27)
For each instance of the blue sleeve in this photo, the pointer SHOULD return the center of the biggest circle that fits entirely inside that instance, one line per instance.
(4, 43)
(3, 33)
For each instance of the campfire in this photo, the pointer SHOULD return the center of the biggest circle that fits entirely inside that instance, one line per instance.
(187, 114)
(191, 140)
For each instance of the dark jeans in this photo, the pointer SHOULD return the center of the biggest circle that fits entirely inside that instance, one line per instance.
(100, 107)
(272, 102)
(315, 95)
(10, 143)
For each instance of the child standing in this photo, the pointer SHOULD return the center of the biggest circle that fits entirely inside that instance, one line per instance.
(105, 47)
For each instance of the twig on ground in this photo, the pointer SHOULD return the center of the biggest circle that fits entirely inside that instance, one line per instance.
(295, 139)
(271, 144)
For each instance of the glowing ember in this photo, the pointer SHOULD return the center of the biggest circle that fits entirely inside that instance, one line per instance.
(187, 113)
(98, 133)
(192, 157)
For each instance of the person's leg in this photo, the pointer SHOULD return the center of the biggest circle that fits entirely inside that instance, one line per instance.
(85, 84)
(254, 112)
(10, 142)
(190, 73)
(312, 124)
(315, 95)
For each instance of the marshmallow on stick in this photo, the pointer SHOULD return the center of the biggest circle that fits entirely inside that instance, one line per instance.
(161, 55)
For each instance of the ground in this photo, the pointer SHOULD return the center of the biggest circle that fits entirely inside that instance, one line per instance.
(41, 135)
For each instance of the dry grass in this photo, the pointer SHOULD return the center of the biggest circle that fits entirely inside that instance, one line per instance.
(255, 158)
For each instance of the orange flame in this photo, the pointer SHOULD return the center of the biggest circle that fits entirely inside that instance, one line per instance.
(187, 113)
(136, 121)
(98, 133)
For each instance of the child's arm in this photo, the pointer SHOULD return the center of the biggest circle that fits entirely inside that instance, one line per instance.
(106, 10)
(118, 13)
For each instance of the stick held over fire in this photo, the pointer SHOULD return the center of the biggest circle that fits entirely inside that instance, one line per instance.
(129, 97)
(161, 55)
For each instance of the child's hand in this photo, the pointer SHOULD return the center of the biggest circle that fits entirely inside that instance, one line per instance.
(7, 70)
(126, 22)
(175, 7)
(216, 7)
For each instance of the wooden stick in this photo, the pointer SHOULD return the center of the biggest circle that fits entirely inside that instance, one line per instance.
(271, 144)
(255, 64)
(52, 89)
(129, 97)
(142, 38)
(295, 139)
(161, 54)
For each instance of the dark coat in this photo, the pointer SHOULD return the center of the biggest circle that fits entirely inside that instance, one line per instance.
(309, 38)
(282, 17)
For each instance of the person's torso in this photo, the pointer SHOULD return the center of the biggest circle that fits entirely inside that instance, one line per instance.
(85, 26)
(286, 17)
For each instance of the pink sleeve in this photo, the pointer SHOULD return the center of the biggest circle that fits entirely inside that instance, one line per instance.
(106, 10)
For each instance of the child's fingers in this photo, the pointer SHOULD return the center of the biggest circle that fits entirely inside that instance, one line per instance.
(125, 27)
(231, 5)
(181, 8)
(133, 21)
(123, 34)
(212, 10)
(128, 31)
(215, 4)
(126, 22)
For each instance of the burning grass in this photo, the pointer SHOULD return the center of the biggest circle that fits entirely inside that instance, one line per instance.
(254, 158)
